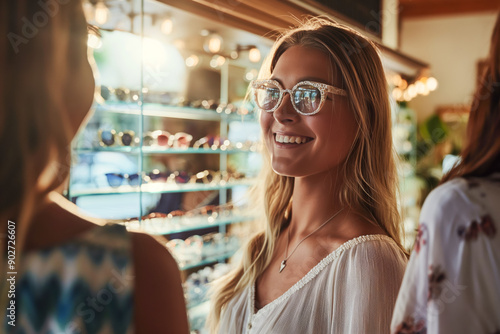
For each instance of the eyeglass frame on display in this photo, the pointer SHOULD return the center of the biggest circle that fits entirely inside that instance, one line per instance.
(123, 177)
(120, 135)
(172, 140)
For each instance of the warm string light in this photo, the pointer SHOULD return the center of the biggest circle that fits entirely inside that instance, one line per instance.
(167, 26)
(403, 91)
(192, 61)
(254, 55)
(101, 13)
(217, 61)
(213, 43)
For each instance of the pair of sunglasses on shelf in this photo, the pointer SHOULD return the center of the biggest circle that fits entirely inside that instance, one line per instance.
(168, 177)
(210, 142)
(117, 179)
(166, 139)
(111, 138)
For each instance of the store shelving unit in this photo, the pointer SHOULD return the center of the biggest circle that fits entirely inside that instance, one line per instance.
(135, 112)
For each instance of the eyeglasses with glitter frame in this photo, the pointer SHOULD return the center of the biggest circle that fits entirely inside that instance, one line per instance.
(321, 87)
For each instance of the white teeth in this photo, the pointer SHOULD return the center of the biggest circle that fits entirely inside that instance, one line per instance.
(290, 139)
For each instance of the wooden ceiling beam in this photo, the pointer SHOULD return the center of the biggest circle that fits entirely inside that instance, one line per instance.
(413, 8)
(267, 17)
(260, 17)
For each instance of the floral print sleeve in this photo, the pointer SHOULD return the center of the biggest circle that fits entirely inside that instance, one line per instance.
(452, 281)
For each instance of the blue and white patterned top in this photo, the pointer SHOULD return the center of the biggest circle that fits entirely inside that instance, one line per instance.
(82, 286)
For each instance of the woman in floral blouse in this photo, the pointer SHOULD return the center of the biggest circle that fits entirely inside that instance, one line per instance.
(452, 282)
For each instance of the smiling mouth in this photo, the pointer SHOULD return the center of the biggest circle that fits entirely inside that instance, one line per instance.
(283, 139)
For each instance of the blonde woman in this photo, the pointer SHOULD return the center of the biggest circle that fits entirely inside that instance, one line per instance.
(70, 274)
(329, 259)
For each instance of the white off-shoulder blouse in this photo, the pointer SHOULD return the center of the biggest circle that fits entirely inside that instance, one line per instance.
(352, 290)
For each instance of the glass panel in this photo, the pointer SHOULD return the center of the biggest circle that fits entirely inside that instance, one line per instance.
(106, 148)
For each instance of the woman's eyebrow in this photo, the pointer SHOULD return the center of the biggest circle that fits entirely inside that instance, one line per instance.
(315, 79)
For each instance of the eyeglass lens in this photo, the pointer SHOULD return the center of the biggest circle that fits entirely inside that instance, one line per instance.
(305, 98)
(127, 139)
(108, 137)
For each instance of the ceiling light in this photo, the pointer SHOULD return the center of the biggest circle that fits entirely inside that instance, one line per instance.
(101, 13)
(213, 43)
(217, 61)
(412, 90)
(397, 94)
(167, 26)
(192, 61)
(420, 87)
(254, 55)
(432, 84)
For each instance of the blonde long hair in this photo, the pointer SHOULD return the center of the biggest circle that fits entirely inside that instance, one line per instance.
(45, 40)
(369, 173)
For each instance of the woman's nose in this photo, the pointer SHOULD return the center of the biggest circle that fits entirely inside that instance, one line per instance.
(285, 113)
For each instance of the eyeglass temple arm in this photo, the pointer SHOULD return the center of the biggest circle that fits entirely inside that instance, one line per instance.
(336, 91)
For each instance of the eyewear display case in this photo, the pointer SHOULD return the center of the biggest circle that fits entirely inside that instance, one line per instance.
(173, 145)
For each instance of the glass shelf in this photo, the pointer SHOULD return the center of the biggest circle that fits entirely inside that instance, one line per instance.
(160, 150)
(159, 110)
(194, 305)
(163, 226)
(208, 260)
(159, 188)
(197, 316)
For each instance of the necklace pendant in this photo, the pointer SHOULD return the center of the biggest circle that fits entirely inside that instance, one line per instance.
(283, 265)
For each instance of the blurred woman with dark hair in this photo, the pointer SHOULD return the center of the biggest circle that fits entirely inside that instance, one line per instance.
(452, 282)
(70, 273)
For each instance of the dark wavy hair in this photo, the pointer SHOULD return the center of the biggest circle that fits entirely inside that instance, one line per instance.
(481, 154)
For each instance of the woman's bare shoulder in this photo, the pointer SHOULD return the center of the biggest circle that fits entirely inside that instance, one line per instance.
(159, 299)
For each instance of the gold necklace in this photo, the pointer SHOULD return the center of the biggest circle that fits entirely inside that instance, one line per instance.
(283, 263)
